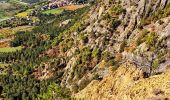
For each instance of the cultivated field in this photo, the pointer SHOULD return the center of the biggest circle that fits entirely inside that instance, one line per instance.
(2, 65)
(24, 14)
(10, 49)
(61, 9)
(53, 11)
(73, 7)
(6, 32)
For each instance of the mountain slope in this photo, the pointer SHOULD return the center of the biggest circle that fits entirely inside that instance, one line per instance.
(115, 32)
(128, 83)
(111, 45)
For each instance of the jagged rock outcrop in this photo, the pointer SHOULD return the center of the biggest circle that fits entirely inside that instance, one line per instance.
(111, 28)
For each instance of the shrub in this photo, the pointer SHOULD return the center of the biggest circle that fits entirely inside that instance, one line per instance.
(96, 53)
(159, 14)
(106, 16)
(141, 37)
(151, 39)
(85, 54)
(83, 37)
(115, 23)
(70, 43)
(155, 64)
(105, 56)
(145, 22)
(55, 90)
(117, 9)
(122, 46)
(111, 62)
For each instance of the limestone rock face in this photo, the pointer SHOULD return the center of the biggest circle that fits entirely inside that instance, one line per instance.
(101, 11)
(165, 33)
(142, 47)
(127, 83)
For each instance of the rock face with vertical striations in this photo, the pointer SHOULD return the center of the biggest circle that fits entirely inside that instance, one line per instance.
(131, 35)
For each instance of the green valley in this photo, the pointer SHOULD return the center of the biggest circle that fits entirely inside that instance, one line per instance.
(84, 49)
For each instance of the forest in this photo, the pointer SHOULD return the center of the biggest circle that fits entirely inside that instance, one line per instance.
(17, 80)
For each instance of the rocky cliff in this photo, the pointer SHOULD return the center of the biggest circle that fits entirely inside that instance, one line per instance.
(131, 35)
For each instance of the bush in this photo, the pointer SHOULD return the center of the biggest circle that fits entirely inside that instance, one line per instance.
(115, 23)
(96, 53)
(117, 9)
(70, 43)
(111, 62)
(105, 56)
(85, 54)
(155, 64)
(106, 16)
(122, 46)
(54, 90)
(141, 37)
(83, 37)
(151, 39)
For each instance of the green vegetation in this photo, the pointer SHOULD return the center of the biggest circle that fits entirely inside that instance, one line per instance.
(31, 73)
(85, 54)
(19, 80)
(53, 11)
(10, 8)
(141, 37)
(151, 39)
(115, 23)
(2, 14)
(111, 16)
(96, 53)
(54, 90)
(155, 64)
(159, 14)
(10, 49)
(3, 65)
(83, 37)
(7, 32)
(16, 2)
(117, 9)
(24, 14)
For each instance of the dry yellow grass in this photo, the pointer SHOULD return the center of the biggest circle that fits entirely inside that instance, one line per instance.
(127, 83)
(5, 42)
(5, 5)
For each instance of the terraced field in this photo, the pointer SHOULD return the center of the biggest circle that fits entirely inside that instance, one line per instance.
(73, 7)
(60, 10)
(3, 6)
(10, 49)
(2, 65)
(9, 8)
(53, 11)
(7, 35)
(6, 32)
(17, 2)
(24, 14)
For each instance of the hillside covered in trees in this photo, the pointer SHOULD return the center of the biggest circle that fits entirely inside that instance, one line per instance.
(90, 50)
